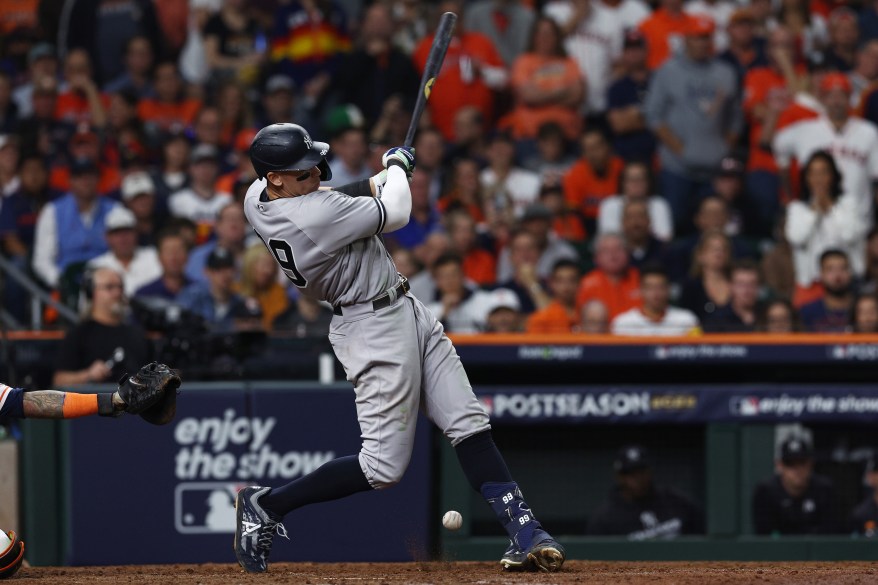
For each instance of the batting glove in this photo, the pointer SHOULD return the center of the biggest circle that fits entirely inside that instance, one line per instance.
(401, 156)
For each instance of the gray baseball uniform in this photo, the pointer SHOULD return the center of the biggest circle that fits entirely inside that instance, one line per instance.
(397, 357)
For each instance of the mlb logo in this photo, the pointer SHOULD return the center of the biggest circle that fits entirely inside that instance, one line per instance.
(205, 507)
(746, 406)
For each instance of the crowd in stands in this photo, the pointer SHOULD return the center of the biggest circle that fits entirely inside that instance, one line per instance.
(584, 166)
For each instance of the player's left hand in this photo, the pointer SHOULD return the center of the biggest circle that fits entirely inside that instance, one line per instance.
(401, 156)
(151, 393)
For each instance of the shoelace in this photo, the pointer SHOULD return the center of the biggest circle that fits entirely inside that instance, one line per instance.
(266, 536)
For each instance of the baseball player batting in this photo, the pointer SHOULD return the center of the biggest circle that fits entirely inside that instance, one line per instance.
(393, 349)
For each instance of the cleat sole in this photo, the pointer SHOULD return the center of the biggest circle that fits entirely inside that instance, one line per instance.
(548, 559)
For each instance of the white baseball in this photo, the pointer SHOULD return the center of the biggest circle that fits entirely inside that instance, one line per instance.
(452, 520)
(4, 541)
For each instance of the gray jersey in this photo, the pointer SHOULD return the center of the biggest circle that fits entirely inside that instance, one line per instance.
(326, 242)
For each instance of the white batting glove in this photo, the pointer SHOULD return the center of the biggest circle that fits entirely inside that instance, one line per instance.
(401, 156)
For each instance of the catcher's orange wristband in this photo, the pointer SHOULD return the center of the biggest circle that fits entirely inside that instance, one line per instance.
(76, 405)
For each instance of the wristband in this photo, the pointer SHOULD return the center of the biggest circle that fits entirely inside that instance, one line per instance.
(105, 405)
(395, 162)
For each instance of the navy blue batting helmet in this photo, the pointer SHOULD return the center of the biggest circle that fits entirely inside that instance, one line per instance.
(288, 147)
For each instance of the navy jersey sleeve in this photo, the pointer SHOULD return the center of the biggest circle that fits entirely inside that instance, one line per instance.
(11, 403)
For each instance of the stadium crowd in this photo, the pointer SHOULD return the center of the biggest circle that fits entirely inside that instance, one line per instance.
(584, 166)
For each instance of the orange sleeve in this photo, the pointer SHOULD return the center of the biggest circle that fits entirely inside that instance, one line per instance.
(587, 290)
(190, 110)
(145, 110)
(573, 187)
(59, 179)
(77, 405)
(754, 92)
(481, 267)
(522, 70)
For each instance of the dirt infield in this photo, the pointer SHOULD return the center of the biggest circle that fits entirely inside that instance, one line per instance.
(623, 573)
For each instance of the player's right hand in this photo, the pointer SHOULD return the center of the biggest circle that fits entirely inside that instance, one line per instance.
(401, 156)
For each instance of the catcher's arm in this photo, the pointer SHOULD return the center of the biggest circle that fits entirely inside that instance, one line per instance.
(151, 392)
(57, 404)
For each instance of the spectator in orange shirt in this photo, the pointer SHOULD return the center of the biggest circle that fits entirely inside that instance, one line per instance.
(613, 282)
(768, 93)
(664, 32)
(170, 110)
(479, 265)
(566, 223)
(80, 100)
(593, 177)
(472, 71)
(85, 144)
(546, 83)
(560, 316)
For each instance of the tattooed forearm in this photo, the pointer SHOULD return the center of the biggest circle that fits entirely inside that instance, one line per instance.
(44, 404)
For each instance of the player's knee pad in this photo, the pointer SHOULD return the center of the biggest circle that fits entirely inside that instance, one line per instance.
(12, 556)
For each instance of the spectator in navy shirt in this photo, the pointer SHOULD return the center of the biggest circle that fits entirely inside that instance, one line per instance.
(831, 313)
(216, 302)
(740, 315)
(173, 253)
(625, 97)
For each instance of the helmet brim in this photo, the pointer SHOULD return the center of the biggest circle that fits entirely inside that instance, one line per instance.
(316, 154)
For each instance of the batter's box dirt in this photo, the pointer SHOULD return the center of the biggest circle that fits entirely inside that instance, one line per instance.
(460, 573)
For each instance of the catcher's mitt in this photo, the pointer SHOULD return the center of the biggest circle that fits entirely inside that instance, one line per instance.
(151, 393)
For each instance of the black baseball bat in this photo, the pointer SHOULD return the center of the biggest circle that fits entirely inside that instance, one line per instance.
(434, 63)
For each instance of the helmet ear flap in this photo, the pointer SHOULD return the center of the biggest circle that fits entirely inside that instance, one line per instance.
(325, 171)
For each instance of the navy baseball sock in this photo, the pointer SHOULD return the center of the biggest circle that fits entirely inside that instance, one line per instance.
(333, 480)
(514, 513)
(481, 460)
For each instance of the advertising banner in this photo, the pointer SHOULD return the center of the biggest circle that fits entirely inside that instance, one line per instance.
(668, 353)
(177, 483)
(697, 404)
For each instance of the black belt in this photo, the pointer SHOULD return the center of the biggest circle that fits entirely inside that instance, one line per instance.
(384, 300)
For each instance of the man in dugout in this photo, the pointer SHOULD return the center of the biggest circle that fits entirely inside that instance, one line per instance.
(796, 500)
(640, 509)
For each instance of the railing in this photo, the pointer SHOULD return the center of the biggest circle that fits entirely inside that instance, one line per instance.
(38, 298)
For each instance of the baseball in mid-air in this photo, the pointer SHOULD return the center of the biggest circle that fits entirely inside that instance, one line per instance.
(452, 520)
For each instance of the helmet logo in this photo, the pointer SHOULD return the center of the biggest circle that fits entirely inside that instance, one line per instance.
(308, 142)
(323, 152)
